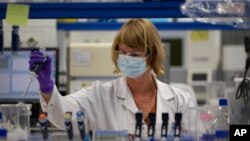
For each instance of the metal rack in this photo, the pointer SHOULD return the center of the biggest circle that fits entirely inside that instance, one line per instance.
(160, 26)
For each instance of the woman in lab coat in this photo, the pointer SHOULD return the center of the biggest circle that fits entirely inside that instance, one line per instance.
(137, 53)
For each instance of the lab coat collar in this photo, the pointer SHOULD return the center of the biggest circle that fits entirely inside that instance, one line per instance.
(163, 91)
(125, 94)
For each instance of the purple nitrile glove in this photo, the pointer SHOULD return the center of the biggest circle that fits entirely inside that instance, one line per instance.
(44, 75)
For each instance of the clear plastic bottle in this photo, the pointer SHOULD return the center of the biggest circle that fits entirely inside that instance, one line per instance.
(221, 123)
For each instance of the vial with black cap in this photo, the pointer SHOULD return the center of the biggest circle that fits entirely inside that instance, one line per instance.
(138, 125)
(151, 129)
(164, 127)
(68, 125)
(177, 126)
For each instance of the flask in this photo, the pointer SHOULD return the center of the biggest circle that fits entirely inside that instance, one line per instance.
(221, 123)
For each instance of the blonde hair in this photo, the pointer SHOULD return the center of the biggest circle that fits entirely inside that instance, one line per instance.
(141, 34)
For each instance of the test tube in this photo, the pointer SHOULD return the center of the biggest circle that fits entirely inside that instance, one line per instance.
(68, 125)
(81, 125)
(44, 125)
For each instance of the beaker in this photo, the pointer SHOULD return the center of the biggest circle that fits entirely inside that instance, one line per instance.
(16, 116)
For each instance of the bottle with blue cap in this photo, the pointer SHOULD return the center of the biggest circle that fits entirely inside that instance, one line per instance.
(221, 123)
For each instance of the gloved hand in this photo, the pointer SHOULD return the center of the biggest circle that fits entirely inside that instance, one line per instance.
(44, 75)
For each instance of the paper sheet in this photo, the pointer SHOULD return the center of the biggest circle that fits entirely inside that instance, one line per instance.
(17, 14)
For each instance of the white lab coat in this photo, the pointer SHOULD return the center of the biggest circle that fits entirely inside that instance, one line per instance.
(110, 106)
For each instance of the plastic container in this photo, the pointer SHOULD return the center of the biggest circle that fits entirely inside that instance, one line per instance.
(221, 123)
(215, 90)
(16, 118)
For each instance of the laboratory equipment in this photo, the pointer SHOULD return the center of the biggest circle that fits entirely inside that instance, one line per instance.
(151, 129)
(1, 119)
(3, 134)
(221, 123)
(87, 138)
(111, 135)
(16, 119)
(14, 70)
(44, 125)
(229, 12)
(177, 126)
(207, 137)
(138, 125)
(164, 127)
(1, 39)
(239, 98)
(215, 90)
(15, 41)
(81, 125)
(68, 125)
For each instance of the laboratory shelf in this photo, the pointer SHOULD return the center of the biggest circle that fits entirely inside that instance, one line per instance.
(160, 9)
(160, 26)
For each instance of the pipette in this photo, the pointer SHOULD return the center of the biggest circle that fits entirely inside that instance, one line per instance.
(33, 73)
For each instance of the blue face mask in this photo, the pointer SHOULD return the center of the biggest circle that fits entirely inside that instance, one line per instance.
(131, 67)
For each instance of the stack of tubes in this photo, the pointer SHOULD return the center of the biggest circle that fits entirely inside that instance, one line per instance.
(164, 127)
(138, 127)
(68, 126)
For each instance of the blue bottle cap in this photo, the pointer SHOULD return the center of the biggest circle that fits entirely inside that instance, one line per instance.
(3, 132)
(222, 102)
(222, 134)
(208, 137)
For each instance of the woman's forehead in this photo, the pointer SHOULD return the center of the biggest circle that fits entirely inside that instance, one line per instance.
(127, 48)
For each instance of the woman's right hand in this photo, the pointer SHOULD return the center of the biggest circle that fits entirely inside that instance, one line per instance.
(44, 74)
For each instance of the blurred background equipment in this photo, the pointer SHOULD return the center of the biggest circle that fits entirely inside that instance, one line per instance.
(230, 12)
